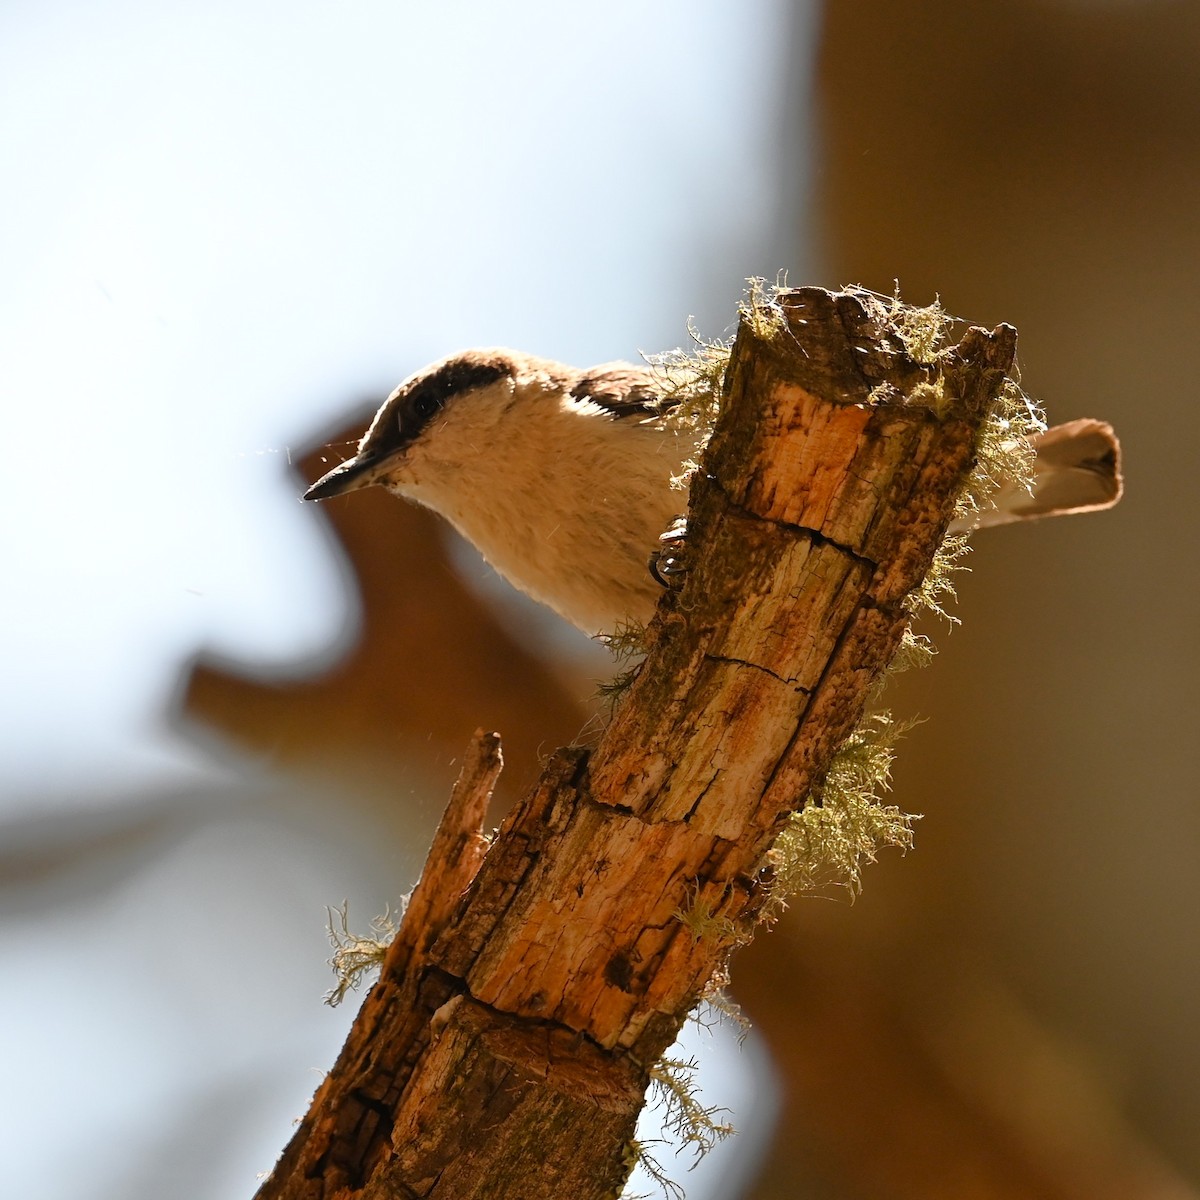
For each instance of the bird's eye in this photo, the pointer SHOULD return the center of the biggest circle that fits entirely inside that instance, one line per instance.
(424, 406)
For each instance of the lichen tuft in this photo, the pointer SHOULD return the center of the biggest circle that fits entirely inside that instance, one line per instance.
(1004, 450)
(923, 330)
(843, 824)
(686, 1118)
(355, 957)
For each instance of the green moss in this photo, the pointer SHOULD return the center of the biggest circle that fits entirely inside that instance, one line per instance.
(915, 650)
(1004, 450)
(692, 379)
(698, 915)
(932, 593)
(693, 376)
(931, 395)
(843, 823)
(924, 331)
(760, 309)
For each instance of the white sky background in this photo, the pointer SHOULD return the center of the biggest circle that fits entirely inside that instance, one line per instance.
(224, 225)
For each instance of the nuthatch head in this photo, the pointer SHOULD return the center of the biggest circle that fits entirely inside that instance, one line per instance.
(560, 477)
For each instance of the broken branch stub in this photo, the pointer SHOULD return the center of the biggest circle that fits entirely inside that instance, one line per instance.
(505, 1050)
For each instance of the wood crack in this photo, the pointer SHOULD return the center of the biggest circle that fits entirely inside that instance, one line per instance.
(788, 681)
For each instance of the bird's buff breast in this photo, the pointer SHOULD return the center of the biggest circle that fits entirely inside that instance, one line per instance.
(574, 526)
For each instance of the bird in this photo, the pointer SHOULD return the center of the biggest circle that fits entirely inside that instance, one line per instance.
(562, 477)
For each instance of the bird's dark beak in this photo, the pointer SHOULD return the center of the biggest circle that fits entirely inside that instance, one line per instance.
(354, 473)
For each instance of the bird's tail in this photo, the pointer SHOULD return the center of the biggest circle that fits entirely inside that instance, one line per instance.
(1077, 469)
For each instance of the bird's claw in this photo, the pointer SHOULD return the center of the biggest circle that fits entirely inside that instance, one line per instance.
(667, 564)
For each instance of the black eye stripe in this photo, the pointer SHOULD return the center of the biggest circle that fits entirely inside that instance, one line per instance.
(413, 409)
(439, 388)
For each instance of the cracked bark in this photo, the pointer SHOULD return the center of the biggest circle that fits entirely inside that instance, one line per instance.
(505, 1050)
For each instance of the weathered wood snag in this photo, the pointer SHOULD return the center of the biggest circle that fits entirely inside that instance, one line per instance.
(505, 1050)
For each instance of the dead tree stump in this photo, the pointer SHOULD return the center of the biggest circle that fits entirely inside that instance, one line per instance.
(535, 981)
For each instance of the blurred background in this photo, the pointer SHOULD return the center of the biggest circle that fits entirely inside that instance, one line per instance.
(231, 229)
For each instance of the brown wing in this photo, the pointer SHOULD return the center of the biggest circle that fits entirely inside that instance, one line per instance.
(624, 391)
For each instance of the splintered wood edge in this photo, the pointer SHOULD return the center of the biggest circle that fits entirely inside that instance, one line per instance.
(458, 846)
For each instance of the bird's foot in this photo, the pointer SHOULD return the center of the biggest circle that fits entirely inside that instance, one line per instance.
(668, 564)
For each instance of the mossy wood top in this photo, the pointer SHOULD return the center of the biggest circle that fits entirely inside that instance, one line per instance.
(506, 1049)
